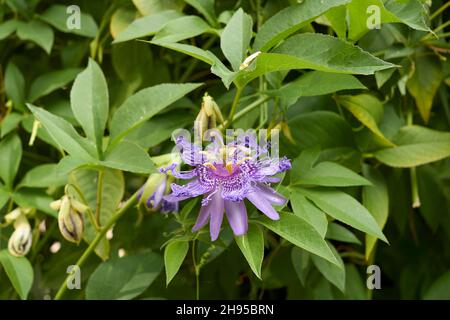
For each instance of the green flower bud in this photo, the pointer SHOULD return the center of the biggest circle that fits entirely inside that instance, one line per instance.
(70, 221)
(19, 243)
(208, 116)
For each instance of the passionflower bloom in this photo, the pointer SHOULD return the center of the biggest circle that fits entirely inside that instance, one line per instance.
(153, 191)
(225, 175)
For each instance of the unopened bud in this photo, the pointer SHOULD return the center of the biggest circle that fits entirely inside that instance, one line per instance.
(208, 116)
(13, 215)
(70, 221)
(19, 243)
(249, 60)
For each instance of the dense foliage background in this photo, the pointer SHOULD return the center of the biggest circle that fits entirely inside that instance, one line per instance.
(367, 131)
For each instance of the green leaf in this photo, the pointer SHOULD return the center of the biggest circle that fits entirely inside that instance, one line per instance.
(376, 200)
(300, 260)
(411, 13)
(51, 81)
(344, 208)
(151, 7)
(128, 156)
(4, 196)
(90, 102)
(9, 123)
(147, 26)
(38, 32)
(10, 156)
(290, 20)
(425, 82)
(439, 288)
(300, 233)
(337, 18)
(329, 174)
(415, 146)
(57, 16)
(206, 8)
(34, 198)
(235, 38)
(7, 28)
(340, 233)
(304, 209)
(45, 175)
(19, 271)
(367, 109)
(64, 134)
(124, 278)
(252, 247)
(174, 255)
(317, 83)
(182, 28)
(145, 104)
(15, 86)
(113, 188)
(132, 61)
(159, 129)
(302, 52)
(323, 128)
(332, 272)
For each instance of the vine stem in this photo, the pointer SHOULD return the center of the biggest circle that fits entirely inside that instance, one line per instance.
(233, 107)
(119, 213)
(440, 10)
(98, 208)
(197, 272)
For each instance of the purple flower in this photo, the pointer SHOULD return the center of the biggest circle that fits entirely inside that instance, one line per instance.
(153, 194)
(226, 175)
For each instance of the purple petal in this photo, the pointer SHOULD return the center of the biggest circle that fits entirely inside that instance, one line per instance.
(202, 219)
(237, 216)
(191, 190)
(216, 208)
(159, 193)
(271, 195)
(263, 205)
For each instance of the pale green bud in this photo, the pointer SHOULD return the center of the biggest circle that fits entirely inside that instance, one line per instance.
(70, 221)
(19, 243)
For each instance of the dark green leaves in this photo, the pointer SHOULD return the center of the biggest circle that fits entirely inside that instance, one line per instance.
(290, 20)
(147, 26)
(15, 86)
(252, 247)
(19, 271)
(10, 156)
(144, 104)
(38, 32)
(90, 102)
(300, 233)
(343, 207)
(64, 134)
(124, 278)
(415, 146)
(57, 16)
(235, 38)
(174, 255)
(326, 53)
(51, 81)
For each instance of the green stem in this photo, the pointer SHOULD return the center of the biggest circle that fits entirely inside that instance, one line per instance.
(44, 240)
(192, 65)
(197, 272)
(233, 108)
(119, 213)
(98, 207)
(440, 10)
(249, 108)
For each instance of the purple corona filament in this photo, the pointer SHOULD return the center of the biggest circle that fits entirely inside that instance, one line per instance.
(225, 175)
